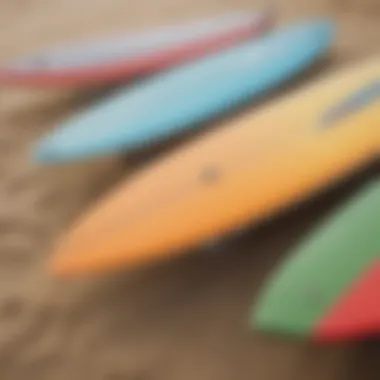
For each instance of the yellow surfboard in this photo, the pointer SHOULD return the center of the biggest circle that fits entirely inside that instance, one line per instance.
(246, 170)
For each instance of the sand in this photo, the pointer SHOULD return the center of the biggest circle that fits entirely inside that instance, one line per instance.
(184, 320)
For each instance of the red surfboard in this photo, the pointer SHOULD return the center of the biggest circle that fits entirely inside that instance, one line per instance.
(120, 58)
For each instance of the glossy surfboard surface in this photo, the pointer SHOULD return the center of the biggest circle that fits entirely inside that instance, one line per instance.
(328, 289)
(119, 58)
(180, 99)
(244, 171)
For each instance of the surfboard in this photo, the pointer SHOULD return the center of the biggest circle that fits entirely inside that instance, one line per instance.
(117, 58)
(246, 170)
(179, 100)
(328, 288)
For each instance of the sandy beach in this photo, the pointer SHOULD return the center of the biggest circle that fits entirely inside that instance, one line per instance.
(180, 321)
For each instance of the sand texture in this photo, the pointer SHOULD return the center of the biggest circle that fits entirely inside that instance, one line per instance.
(182, 321)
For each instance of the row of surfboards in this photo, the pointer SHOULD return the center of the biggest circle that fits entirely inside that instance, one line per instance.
(246, 170)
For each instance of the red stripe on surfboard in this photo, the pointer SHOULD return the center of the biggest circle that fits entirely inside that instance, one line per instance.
(145, 65)
(358, 313)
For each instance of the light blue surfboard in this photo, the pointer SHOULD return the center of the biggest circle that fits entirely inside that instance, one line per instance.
(177, 100)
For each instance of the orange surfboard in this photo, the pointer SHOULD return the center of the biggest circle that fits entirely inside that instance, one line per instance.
(243, 172)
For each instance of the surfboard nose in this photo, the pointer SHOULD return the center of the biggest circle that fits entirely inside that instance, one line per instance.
(71, 264)
(324, 28)
(46, 152)
(277, 314)
(61, 147)
(315, 35)
(76, 255)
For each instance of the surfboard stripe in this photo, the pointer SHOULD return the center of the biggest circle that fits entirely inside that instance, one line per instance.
(357, 313)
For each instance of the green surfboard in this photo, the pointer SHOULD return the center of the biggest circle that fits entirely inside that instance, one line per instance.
(329, 289)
